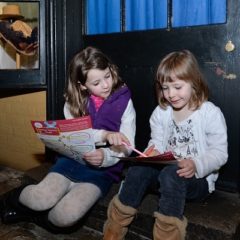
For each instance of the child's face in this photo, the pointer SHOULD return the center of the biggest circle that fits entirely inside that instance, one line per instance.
(178, 93)
(99, 82)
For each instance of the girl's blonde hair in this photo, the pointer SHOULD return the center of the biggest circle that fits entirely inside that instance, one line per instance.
(82, 62)
(185, 67)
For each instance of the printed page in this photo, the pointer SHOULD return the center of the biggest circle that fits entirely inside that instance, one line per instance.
(71, 137)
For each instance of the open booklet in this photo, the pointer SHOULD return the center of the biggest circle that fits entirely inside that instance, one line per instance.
(164, 158)
(71, 137)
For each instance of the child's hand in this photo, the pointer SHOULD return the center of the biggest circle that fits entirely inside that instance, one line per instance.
(187, 168)
(150, 152)
(94, 158)
(116, 138)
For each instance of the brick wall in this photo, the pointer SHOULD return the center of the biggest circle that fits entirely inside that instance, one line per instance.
(19, 146)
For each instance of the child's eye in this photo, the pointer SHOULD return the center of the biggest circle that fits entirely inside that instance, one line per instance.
(108, 75)
(178, 87)
(95, 83)
(164, 88)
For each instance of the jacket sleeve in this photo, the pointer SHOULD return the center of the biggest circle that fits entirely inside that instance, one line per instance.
(66, 111)
(216, 153)
(157, 129)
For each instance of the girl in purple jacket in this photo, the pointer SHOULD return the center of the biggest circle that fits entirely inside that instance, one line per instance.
(71, 188)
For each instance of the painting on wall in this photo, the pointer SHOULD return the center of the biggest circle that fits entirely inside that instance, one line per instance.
(19, 34)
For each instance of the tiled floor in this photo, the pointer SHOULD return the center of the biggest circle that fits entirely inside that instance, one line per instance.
(9, 179)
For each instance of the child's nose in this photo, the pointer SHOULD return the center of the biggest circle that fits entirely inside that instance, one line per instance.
(105, 84)
(171, 93)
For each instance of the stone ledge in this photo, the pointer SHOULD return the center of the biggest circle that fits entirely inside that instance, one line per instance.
(218, 218)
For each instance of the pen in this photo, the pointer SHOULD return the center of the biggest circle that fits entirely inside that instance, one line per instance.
(134, 149)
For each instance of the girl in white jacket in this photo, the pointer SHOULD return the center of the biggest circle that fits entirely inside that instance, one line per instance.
(194, 130)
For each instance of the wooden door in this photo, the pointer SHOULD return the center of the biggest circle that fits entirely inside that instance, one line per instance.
(217, 50)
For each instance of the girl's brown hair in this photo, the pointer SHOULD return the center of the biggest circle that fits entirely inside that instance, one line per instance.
(82, 62)
(184, 66)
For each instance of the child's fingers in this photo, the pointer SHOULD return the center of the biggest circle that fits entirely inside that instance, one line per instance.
(117, 139)
(124, 139)
(149, 150)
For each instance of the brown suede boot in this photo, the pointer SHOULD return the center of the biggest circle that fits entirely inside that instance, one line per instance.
(169, 228)
(119, 217)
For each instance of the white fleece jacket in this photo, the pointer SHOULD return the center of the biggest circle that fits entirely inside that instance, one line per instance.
(202, 136)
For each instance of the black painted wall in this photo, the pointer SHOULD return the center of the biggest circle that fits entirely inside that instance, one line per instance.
(138, 53)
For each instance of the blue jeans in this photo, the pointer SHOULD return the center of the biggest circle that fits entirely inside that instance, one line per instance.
(173, 190)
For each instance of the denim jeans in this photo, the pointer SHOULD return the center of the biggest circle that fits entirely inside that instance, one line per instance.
(173, 190)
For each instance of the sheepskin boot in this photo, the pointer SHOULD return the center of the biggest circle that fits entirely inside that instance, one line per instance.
(119, 218)
(12, 211)
(168, 227)
(42, 221)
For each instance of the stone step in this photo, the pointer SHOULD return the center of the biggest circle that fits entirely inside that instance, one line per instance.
(218, 218)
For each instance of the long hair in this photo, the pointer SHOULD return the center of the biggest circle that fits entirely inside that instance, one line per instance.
(185, 67)
(89, 58)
